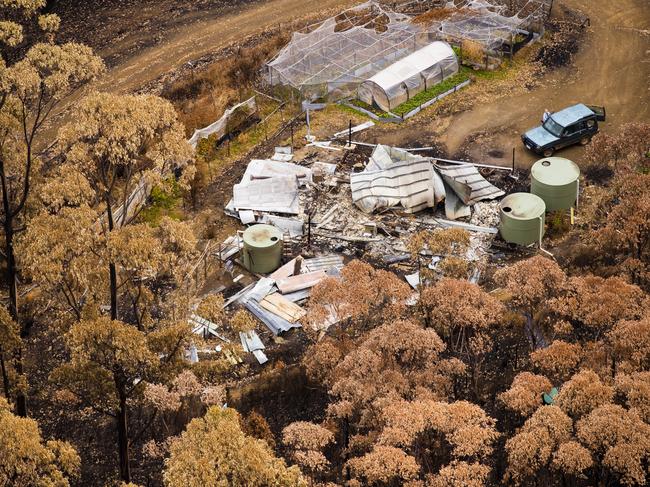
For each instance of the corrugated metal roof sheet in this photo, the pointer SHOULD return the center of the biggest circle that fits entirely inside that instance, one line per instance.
(250, 341)
(273, 322)
(407, 183)
(323, 263)
(468, 183)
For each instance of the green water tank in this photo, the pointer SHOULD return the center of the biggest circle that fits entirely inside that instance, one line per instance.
(556, 181)
(262, 252)
(522, 218)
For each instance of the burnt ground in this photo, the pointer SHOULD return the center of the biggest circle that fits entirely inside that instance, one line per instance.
(143, 40)
(119, 28)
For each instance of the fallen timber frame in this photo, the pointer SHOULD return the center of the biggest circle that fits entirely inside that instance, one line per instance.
(450, 161)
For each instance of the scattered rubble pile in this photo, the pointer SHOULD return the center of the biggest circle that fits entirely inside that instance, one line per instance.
(335, 202)
(274, 300)
(376, 206)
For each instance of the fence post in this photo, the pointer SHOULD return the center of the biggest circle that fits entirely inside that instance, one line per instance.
(350, 134)
(309, 229)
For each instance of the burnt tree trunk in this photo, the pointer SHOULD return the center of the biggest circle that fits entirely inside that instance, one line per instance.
(111, 267)
(123, 434)
(5, 375)
(11, 279)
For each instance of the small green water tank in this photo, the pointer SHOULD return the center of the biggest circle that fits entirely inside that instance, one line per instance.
(522, 218)
(556, 181)
(262, 252)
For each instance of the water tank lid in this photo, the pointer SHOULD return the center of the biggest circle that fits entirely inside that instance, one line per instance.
(262, 236)
(555, 171)
(523, 206)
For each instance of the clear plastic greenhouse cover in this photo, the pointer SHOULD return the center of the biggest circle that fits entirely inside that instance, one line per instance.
(335, 56)
(412, 74)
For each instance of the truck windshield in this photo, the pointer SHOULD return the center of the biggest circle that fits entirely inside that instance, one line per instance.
(553, 127)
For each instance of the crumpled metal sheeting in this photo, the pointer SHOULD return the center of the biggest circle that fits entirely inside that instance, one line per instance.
(278, 194)
(454, 207)
(384, 156)
(468, 183)
(250, 341)
(324, 262)
(269, 186)
(409, 184)
(262, 287)
(274, 323)
(293, 226)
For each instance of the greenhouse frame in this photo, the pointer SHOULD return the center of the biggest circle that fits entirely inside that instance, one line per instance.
(332, 58)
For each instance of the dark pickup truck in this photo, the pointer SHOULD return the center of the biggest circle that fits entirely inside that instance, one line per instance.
(573, 125)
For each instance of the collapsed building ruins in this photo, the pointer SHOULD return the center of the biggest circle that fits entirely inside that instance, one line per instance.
(333, 203)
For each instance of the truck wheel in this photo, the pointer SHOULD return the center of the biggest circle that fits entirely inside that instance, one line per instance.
(585, 140)
(548, 152)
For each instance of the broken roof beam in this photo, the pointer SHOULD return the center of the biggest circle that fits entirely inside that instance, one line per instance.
(451, 161)
(472, 228)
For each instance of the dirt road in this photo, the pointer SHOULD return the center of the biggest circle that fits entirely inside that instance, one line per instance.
(612, 68)
(200, 36)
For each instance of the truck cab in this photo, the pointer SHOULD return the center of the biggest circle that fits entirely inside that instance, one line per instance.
(573, 125)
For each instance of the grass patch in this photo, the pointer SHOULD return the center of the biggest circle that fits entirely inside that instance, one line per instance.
(486, 74)
(165, 200)
(377, 111)
(425, 96)
(214, 158)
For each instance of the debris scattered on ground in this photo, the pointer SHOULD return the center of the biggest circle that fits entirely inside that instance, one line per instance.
(250, 342)
(364, 202)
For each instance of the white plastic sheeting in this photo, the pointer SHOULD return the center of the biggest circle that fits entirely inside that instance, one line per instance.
(220, 127)
(345, 50)
(409, 76)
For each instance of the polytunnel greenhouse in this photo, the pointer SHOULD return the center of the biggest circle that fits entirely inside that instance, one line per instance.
(334, 57)
(405, 78)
